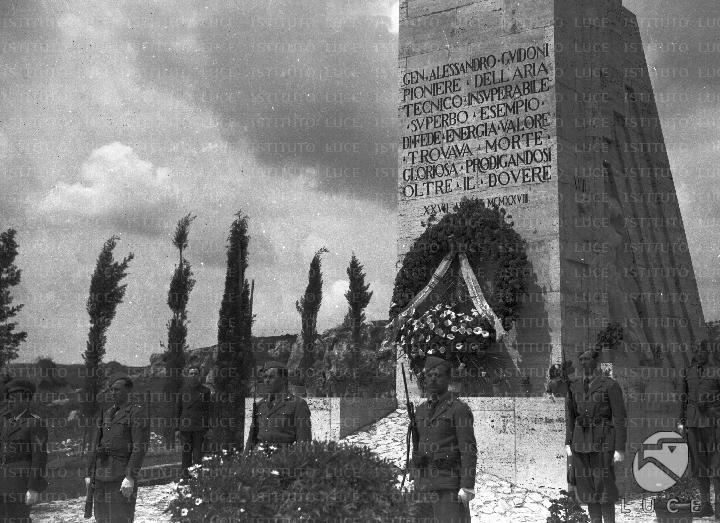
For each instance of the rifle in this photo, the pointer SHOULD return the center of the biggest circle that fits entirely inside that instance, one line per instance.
(254, 425)
(412, 432)
(91, 487)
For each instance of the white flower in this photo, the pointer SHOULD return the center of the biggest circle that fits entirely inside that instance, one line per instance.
(442, 350)
(459, 346)
(274, 473)
(448, 322)
(454, 328)
(450, 336)
(485, 334)
(198, 501)
(477, 330)
(184, 512)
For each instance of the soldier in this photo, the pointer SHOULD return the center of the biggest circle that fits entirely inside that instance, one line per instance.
(24, 453)
(444, 462)
(595, 436)
(282, 418)
(700, 418)
(120, 445)
(192, 418)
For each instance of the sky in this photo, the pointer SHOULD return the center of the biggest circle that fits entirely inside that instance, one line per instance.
(122, 117)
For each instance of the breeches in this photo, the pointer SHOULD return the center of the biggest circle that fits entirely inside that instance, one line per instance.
(110, 505)
(441, 506)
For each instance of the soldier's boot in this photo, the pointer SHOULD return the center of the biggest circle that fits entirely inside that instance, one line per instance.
(608, 512)
(706, 508)
(595, 512)
(716, 488)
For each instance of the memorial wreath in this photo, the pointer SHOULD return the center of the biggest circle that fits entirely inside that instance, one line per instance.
(460, 331)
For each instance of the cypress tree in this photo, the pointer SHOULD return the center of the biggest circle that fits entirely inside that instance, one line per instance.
(9, 277)
(234, 358)
(106, 294)
(308, 307)
(181, 286)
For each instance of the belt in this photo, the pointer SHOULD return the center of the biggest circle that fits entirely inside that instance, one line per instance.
(588, 421)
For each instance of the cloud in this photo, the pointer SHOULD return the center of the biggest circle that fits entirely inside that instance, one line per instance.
(116, 188)
(289, 82)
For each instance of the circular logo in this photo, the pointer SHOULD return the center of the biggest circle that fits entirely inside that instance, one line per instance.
(661, 461)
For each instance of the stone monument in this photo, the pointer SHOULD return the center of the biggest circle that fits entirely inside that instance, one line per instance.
(545, 108)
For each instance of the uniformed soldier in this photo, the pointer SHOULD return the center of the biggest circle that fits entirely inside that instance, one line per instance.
(443, 466)
(595, 437)
(192, 418)
(282, 418)
(24, 453)
(700, 417)
(120, 445)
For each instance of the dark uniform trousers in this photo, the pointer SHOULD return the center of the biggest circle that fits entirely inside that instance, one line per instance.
(445, 459)
(24, 458)
(193, 411)
(700, 413)
(120, 446)
(283, 421)
(110, 505)
(596, 427)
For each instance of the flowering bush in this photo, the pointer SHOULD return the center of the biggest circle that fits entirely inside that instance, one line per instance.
(319, 481)
(446, 332)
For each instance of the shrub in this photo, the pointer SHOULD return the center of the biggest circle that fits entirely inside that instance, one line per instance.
(566, 509)
(319, 481)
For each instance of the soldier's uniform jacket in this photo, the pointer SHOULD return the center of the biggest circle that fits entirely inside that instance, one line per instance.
(595, 421)
(700, 399)
(285, 421)
(23, 453)
(446, 456)
(121, 441)
(193, 409)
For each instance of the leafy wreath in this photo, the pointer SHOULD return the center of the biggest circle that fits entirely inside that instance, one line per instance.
(485, 236)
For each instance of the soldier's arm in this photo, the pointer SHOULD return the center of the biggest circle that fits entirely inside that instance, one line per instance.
(569, 415)
(619, 415)
(38, 464)
(303, 429)
(140, 441)
(465, 431)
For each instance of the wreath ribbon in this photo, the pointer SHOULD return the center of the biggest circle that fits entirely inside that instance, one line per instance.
(474, 290)
(478, 298)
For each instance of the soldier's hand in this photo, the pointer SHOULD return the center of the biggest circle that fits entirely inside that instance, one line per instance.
(568, 450)
(126, 488)
(466, 495)
(31, 497)
(681, 428)
(87, 482)
(618, 456)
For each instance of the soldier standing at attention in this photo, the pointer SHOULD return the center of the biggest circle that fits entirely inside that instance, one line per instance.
(700, 417)
(444, 463)
(282, 418)
(24, 453)
(120, 445)
(192, 418)
(595, 436)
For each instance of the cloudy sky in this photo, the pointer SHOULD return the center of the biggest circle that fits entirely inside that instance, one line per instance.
(121, 117)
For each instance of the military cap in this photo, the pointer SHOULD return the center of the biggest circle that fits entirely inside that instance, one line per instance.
(593, 353)
(120, 376)
(20, 385)
(274, 365)
(433, 361)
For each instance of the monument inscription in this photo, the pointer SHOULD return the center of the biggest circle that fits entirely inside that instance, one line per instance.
(476, 125)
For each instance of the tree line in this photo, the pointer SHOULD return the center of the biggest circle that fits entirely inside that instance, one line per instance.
(235, 361)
